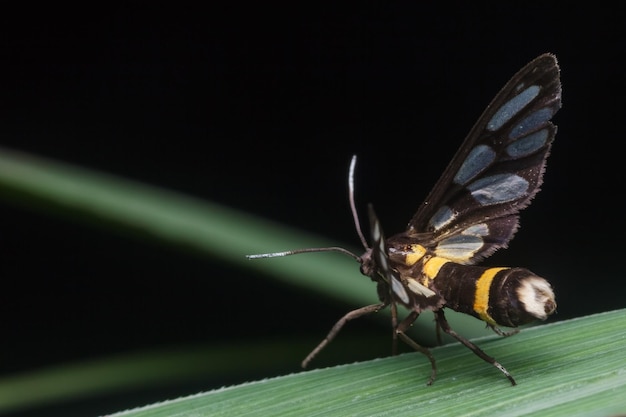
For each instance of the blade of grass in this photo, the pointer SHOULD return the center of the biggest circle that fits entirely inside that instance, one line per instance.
(148, 211)
(177, 219)
(571, 368)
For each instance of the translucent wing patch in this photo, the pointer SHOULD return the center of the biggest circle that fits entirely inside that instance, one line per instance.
(497, 170)
(509, 109)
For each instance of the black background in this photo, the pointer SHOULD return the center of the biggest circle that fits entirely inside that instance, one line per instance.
(260, 107)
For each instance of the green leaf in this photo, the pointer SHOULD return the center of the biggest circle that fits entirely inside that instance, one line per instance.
(158, 214)
(571, 368)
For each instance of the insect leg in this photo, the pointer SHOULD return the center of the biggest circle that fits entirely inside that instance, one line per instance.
(501, 332)
(337, 327)
(441, 321)
(404, 326)
(394, 328)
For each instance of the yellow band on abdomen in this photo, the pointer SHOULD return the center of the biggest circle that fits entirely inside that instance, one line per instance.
(481, 298)
(433, 265)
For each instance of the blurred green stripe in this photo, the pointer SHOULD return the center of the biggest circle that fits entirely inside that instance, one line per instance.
(179, 219)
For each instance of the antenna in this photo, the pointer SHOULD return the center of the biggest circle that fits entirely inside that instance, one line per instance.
(331, 248)
(355, 215)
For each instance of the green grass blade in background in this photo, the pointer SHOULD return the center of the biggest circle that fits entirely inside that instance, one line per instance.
(572, 368)
(176, 219)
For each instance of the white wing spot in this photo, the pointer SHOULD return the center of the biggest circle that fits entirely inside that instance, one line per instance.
(399, 290)
(498, 188)
(418, 288)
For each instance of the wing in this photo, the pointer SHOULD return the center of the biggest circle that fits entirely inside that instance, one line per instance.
(473, 209)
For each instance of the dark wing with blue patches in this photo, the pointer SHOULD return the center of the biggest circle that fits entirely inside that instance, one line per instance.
(473, 208)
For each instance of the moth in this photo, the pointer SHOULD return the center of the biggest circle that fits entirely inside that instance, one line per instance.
(472, 211)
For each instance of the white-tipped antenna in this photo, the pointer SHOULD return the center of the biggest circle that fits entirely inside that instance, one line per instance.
(297, 251)
(355, 215)
(332, 248)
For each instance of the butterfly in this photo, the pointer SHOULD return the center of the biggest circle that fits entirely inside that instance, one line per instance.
(472, 211)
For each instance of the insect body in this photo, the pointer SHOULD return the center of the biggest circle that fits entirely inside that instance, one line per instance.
(471, 212)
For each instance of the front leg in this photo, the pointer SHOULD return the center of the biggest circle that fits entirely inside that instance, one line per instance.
(354, 314)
